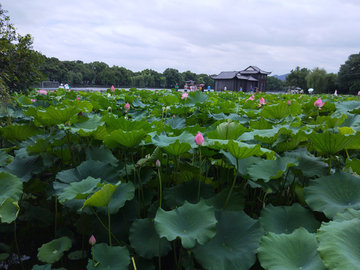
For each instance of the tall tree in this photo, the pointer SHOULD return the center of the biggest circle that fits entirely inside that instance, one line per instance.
(349, 75)
(317, 79)
(274, 84)
(297, 77)
(172, 77)
(19, 63)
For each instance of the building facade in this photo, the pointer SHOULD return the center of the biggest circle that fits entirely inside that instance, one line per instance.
(252, 76)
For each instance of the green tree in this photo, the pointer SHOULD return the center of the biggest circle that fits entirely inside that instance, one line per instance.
(317, 79)
(172, 76)
(296, 78)
(19, 63)
(349, 75)
(331, 82)
(274, 84)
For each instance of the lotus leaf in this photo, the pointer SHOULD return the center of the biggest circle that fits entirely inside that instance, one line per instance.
(127, 139)
(285, 219)
(235, 244)
(333, 194)
(146, 242)
(109, 258)
(102, 197)
(290, 251)
(53, 251)
(19, 132)
(191, 222)
(339, 244)
(9, 210)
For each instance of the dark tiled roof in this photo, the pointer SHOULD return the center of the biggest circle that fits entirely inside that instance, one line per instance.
(246, 77)
(254, 70)
(226, 75)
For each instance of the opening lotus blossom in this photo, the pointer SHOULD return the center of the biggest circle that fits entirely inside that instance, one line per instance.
(42, 92)
(184, 95)
(318, 103)
(262, 102)
(251, 98)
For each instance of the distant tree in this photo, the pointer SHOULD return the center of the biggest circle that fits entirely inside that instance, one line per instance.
(207, 80)
(331, 82)
(188, 75)
(172, 76)
(296, 78)
(18, 61)
(317, 79)
(349, 75)
(274, 84)
(106, 77)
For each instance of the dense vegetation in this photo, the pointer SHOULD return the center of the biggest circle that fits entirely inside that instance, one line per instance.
(180, 181)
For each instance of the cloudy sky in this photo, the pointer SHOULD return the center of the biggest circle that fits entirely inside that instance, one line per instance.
(203, 36)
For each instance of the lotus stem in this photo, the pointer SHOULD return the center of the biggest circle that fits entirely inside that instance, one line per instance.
(160, 187)
(133, 261)
(93, 259)
(233, 184)
(17, 246)
(198, 196)
(329, 164)
(159, 253)
(107, 208)
(56, 211)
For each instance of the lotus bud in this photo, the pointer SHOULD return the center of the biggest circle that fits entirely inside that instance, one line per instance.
(318, 103)
(199, 139)
(112, 89)
(157, 164)
(163, 109)
(92, 240)
(108, 95)
(289, 102)
(32, 100)
(109, 109)
(174, 116)
(167, 108)
(127, 106)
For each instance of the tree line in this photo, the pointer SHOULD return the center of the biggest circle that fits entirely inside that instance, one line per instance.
(99, 73)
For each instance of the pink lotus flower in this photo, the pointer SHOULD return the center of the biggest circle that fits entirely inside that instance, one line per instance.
(92, 240)
(32, 100)
(78, 98)
(157, 164)
(318, 103)
(262, 102)
(359, 93)
(199, 139)
(184, 95)
(251, 98)
(127, 106)
(289, 102)
(112, 89)
(42, 92)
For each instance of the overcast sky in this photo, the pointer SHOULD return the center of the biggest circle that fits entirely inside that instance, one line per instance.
(203, 36)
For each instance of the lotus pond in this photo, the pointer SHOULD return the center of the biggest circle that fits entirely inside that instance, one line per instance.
(162, 180)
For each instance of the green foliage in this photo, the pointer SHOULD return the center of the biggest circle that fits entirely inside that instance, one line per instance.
(273, 83)
(349, 75)
(274, 186)
(297, 78)
(316, 79)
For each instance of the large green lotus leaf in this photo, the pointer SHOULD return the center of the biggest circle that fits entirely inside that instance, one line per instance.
(241, 164)
(236, 201)
(52, 115)
(78, 190)
(168, 100)
(83, 105)
(137, 103)
(41, 267)
(10, 187)
(123, 193)
(196, 98)
(101, 154)
(339, 244)
(88, 126)
(5, 158)
(127, 139)
(234, 117)
(290, 251)
(113, 123)
(187, 191)
(93, 168)
(349, 214)
(354, 164)
(235, 244)
(19, 132)
(176, 123)
(347, 106)
(352, 120)
(268, 136)
(285, 219)
(109, 258)
(102, 197)
(39, 146)
(24, 166)
(53, 251)
(309, 165)
(271, 169)
(277, 111)
(289, 142)
(177, 148)
(227, 131)
(165, 141)
(261, 124)
(190, 222)
(24, 101)
(333, 194)
(331, 143)
(243, 150)
(9, 210)
(146, 242)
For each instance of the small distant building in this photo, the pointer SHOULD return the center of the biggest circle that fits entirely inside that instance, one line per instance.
(234, 80)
